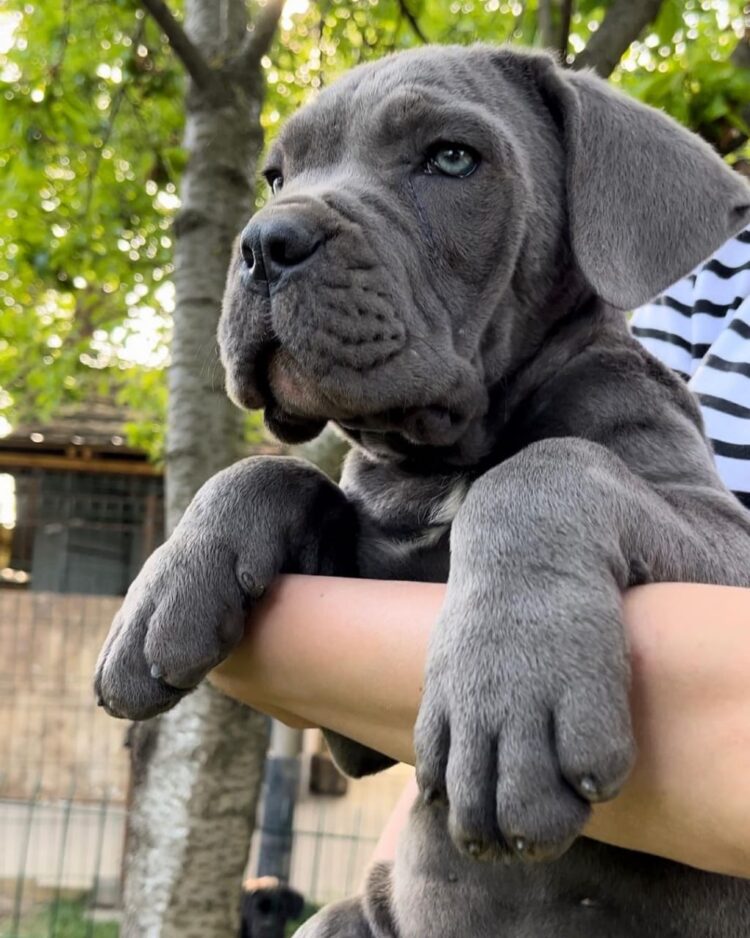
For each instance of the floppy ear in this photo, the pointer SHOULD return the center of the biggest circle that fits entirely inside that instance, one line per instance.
(647, 199)
(292, 902)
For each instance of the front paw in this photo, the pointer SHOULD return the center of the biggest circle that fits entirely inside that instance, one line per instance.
(182, 615)
(524, 722)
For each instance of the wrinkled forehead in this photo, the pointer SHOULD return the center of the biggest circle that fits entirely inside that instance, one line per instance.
(379, 103)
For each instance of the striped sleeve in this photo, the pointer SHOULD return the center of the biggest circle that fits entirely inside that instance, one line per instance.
(700, 327)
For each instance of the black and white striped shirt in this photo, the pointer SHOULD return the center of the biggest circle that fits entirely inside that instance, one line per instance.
(700, 327)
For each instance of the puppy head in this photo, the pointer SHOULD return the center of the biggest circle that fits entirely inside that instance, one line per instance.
(433, 214)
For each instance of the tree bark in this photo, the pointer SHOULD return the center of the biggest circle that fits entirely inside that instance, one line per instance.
(566, 17)
(198, 774)
(623, 23)
(545, 20)
(198, 769)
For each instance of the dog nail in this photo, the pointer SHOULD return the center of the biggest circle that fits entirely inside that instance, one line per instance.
(156, 672)
(99, 701)
(589, 787)
(474, 848)
(519, 844)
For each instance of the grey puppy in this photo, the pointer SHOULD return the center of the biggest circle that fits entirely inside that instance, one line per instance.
(440, 272)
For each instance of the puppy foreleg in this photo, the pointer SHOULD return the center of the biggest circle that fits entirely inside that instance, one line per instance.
(525, 717)
(187, 608)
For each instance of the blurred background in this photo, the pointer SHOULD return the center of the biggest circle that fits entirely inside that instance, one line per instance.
(130, 133)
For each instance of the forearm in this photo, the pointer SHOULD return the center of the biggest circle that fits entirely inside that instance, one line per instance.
(340, 653)
(349, 655)
(688, 796)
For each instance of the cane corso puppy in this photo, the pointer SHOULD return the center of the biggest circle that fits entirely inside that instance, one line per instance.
(441, 271)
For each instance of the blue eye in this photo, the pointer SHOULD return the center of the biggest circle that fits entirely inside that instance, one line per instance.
(275, 180)
(452, 159)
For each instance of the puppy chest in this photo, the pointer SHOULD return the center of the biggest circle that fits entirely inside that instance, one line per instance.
(407, 533)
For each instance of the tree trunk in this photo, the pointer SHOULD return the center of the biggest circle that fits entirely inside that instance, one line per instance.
(545, 19)
(198, 769)
(623, 23)
(198, 772)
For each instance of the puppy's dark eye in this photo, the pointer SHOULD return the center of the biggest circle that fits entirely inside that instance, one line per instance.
(275, 180)
(452, 159)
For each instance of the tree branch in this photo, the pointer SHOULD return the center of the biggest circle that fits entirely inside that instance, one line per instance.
(188, 53)
(412, 21)
(64, 36)
(624, 22)
(727, 136)
(741, 55)
(260, 35)
(546, 25)
(115, 104)
(517, 22)
(566, 15)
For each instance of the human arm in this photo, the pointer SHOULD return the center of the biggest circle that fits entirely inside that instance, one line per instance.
(349, 655)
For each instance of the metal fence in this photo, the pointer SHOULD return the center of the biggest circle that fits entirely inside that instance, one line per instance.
(63, 769)
(334, 838)
(76, 531)
(64, 782)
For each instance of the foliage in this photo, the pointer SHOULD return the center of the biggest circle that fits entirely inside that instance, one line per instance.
(89, 166)
(683, 64)
(685, 67)
(66, 918)
(307, 912)
(91, 158)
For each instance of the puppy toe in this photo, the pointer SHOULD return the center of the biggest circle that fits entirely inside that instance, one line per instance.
(124, 684)
(471, 785)
(594, 740)
(431, 745)
(189, 634)
(538, 813)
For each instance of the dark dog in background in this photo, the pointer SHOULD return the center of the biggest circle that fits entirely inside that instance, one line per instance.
(267, 906)
(441, 272)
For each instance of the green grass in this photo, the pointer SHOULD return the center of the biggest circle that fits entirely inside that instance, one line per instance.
(64, 919)
(308, 912)
(69, 920)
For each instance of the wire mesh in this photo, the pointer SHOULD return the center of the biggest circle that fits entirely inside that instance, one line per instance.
(64, 770)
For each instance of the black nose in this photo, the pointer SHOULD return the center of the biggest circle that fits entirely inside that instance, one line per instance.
(272, 246)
